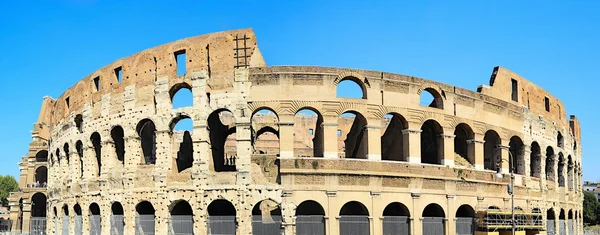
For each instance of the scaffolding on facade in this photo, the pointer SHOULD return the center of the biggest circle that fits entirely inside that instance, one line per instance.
(492, 218)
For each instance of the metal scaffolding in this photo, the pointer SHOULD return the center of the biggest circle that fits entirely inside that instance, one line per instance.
(493, 218)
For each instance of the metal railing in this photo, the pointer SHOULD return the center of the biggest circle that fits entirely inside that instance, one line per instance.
(221, 225)
(65, 225)
(265, 225)
(95, 225)
(433, 226)
(310, 225)
(78, 225)
(38, 226)
(144, 225)
(396, 225)
(550, 227)
(354, 225)
(181, 225)
(465, 226)
(117, 225)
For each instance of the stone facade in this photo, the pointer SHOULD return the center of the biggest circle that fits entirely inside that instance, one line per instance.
(113, 150)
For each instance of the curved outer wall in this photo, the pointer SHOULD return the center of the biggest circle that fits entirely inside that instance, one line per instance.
(223, 78)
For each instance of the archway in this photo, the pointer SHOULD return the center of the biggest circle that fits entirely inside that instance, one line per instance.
(181, 96)
(354, 219)
(181, 135)
(392, 140)
(570, 172)
(550, 163)
(464, 147)
(79, 148)
(560, 141)
(38, 214)
(95, 219)
(561, 170)
(78, 219)
(516, 150)
(396, 219)
(432, 143)
(561, 222)
(41, 176)
(352, 136)
(433, 219)
(351, 87)
(223, 143)
(182, 218)
(266, 218)
(65, 219)
(265, 131)
(308, 133)
(221, 217)
(570, 223)
(117, 135)
(96, 143)
(146, 130)
(465, 220)
(310, 218)
(41, 156)
(431, 98)
(535, 160)
(117, 222)
(550, 221)
(144, 220)
(491, 157)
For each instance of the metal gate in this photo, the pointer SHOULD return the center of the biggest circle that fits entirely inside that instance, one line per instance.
(117, 224)
(181, 225)
(465, 226)
(570, 223)
(396, 225)
(310, 225)
(38, 226)
(78, 225)
(550, 227)
(561, 227)
(56, 229)
(354, 225)
(433, 226)
(65, 225)
(268, 226)
(144, 225)
(95, 225)
(221, 225)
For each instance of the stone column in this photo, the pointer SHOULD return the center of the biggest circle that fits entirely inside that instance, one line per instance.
(412, 144)
(243, 149)
(129, 214)
(330, 140)
(26, 215)
(447, 152)
(202, 154)
(476, 151)
(373, 135)
(542, 171)
(416, 221)
(526, 151)
(109, 157)
(286, 136)
(164, 160)
(450, 217)
(133, 158)
(89, 163)
(505, 158)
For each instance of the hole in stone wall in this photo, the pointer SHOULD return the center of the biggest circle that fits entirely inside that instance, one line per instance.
(79, 122)
(180, 62)
(117, 134)
(119, 74)
(68, 102)
(181, 96)
(547, 104)
(147, 132)
(560, 141)
(221, 125)
(97, 83)
(41, 156)
(431, 98)
(350, 87)
(182, 135)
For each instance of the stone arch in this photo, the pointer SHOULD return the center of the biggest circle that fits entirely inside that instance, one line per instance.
(491, 157)
(79, 149)
(183, 215)
(96, 143)
(432, 142)
(354, 208)
(41, 176)
(79, 122)
(77, 209)
(146, 130)
(396, 209)
(560, 140)
(310, 207)
(570, 172)
(185, 152)
(433, 210)
(178, 87)
(464, 145)
(392, 139)
(561, 170)
(304, 124)
(145, 216)
(222, 132)
(353, 140)
(38, 205)
(223, 211)
(437, 99)
(144, 208)
(41, 156)
(67, 152)
(535, 160)
(550, 161)
(116, 208)
(266, 217)
(310, 218)
(118, 136)
(355, 80)
(465, 211)
(516, 150)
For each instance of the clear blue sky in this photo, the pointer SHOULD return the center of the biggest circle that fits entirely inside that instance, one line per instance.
(47, 46)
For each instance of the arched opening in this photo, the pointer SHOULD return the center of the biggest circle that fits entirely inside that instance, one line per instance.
(431, 98)
(516, 150)
(351, 87)
(78, 220)
(182, 219)
(535, 160)
(354, 219)
(181, 134)
(79, 148)
(147, 132)
(265, 131)
(560, 141)
(308, 133)
(396, 219)
(117, 222)
(41, 156)
(181, 96)
(221, 125)
(95, 219)
(464, 147)
(66, 149)
(432, 144)
(144, 220)
(221, 217)
(310, 218)
(352, 135)
(491, 157)
(117, 135)
(561, 170)
(570, 224)
(433, 219)
(65, 219)
(96, 142)
(79, 123)
(41, 176)
(38, 205)
(570, 172)
(536, 215)
(266, 218)
(561, 222)
(465, 220)
(392, 140)
(574, 145)
(550, 163)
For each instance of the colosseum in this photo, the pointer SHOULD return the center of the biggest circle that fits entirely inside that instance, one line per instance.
(276, 150)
